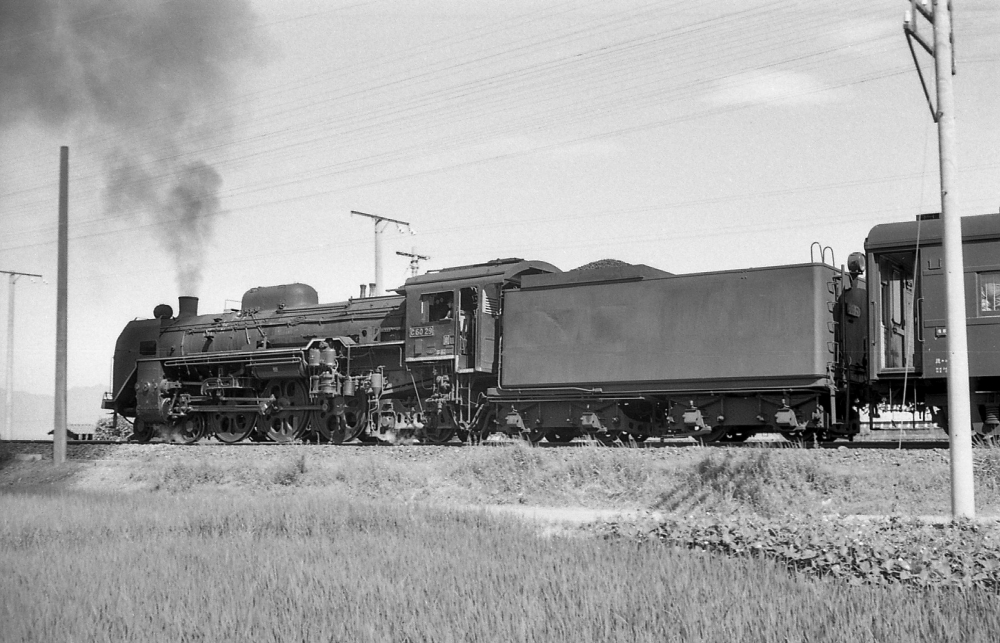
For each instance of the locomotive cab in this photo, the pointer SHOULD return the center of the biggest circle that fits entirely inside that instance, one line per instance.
(458, 323)
(453, 314)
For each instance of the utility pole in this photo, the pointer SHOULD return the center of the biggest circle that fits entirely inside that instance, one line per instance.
(380, 225)
(62, 260)
(963, 503)
(9, 380)
(415, 260)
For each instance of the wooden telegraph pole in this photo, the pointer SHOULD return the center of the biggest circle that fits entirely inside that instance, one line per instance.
(380, 222)
(415, 260)
(963, 503)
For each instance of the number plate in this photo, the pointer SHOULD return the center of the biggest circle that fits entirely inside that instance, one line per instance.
(422, 331)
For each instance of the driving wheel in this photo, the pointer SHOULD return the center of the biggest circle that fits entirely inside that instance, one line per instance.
(284, 422)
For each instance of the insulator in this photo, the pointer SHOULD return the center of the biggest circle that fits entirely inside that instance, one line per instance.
(992, 415)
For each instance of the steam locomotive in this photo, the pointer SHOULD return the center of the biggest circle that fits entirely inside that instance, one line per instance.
(615, 352)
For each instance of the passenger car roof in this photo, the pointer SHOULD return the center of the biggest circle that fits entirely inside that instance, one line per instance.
(929, 232)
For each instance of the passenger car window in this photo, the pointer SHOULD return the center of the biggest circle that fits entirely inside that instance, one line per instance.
(989, 293)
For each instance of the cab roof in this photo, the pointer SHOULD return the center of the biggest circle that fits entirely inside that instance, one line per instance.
(498, 270)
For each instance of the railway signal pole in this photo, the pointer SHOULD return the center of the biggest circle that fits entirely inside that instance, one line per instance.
(12, 277)
(380, 224)
(959, 413)
(415, 260)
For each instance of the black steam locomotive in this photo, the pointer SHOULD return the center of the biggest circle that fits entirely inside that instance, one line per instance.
(614, 352)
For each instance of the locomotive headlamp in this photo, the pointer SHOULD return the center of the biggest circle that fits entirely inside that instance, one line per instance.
(856, 263)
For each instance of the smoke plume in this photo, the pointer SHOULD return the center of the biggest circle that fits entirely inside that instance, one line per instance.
(149, 80)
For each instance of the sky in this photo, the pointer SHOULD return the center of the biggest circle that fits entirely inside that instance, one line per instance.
(215, 147)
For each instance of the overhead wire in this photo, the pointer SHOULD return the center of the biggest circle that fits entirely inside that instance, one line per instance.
(449, 144)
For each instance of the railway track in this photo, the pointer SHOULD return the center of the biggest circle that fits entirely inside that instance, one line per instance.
(910, 444)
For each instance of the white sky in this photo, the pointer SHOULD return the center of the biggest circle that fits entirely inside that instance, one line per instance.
(690, 136)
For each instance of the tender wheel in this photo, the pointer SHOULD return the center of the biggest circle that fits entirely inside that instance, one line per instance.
(560, 437)
(715, 435)
(806, 438)
(611, 437)
(232, 427)
(283, 424)
(738, 435)
(534, 436)
(188, 430)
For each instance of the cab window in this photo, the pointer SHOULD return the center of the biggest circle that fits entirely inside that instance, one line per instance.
(438, 306)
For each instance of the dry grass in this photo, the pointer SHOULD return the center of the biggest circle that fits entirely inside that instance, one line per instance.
(688, 480)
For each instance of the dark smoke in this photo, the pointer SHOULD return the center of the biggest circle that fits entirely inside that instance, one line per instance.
(150, 79)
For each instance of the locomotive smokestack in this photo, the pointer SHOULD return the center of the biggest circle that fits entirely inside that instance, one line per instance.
(187, 307)
(364, 291)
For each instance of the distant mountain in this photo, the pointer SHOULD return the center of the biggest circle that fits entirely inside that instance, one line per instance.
(33, 413)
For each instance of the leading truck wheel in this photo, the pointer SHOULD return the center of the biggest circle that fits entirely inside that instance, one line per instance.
(188, 430)
(141, 432)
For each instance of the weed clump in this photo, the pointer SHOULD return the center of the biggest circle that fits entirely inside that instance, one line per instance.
(987, 469)
(289, 472)
(889, 551)
(756, 480)
(183, 476)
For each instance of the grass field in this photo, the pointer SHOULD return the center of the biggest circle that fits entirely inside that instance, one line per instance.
(314, 567)
(382, 545)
